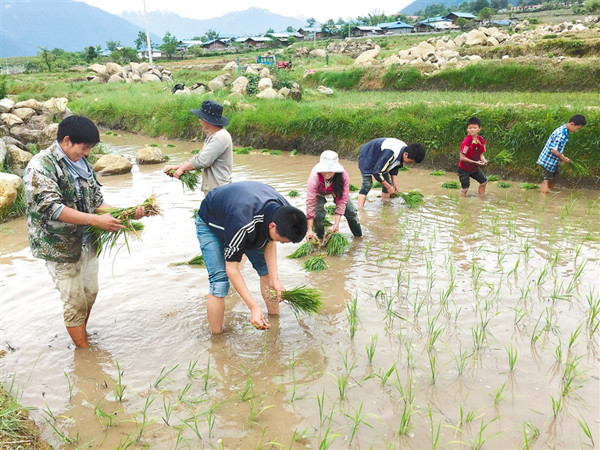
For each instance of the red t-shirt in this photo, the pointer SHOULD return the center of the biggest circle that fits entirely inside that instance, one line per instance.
(473, 151)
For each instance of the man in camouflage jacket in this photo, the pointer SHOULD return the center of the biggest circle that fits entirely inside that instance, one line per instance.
(62, 198)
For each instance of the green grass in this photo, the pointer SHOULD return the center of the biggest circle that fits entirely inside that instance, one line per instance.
(14, 426)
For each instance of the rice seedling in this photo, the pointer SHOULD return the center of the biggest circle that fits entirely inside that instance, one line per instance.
(293, 193)
(352, 314)
(206, 376)
(529, 428)
(478, 445)
(412, 199)
(371, 348)
(574, 335)
(168, 410)
(119, 386)
(386, 375)
(210, 419)
(570, 375)
(141, 426)
(438, 173)
(556, 405)
(512, 357)
(451, 185)
(432, 357)
(337, 244)
(328, 438)
(407, 412)
(435, 436)
(105, 419)
(504, 185)
(193, 426)
(315, 264)
(461, 361)
(51, 420)
(593, 319)
(275, 152)
(498, 394)
(197, 260)
(529, 186)
(69, 384)
(320, 403)
(502, 157)
(304, 300)
(197, 150)
(162, 376)
(353, 187)
(493, 178)
(189, 179)
(293, 152)
(357, 419)
(106, 239)
(330, 209)
(254, 412)
(586, 429)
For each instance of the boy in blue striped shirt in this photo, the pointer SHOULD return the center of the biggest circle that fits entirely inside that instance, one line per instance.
(554, 148)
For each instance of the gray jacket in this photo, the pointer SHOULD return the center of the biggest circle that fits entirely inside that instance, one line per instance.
(215, 160)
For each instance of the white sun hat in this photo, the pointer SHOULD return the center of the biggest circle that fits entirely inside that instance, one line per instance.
(329, 163)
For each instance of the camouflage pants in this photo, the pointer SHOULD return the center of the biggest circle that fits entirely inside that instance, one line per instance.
(78, 285)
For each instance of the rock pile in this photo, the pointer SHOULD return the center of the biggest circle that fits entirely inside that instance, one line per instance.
(25, 123)
(437, 53)
(131, 73)
(351, 47)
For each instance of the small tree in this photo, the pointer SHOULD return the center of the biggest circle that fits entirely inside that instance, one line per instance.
(112, 45)
(592, 6)
(290, 29)
(141, 42)
(486, 14)
(461, 23)
(90, 53)
(310, 22)
(46, 57)
(169, 45)
(124, 55)
(211, 34)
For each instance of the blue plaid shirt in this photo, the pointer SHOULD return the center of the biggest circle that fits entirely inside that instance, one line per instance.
(557, 141)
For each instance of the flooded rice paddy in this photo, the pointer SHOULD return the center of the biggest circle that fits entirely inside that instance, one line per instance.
(464, 323)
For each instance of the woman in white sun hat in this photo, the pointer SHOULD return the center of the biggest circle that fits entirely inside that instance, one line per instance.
(329, 178)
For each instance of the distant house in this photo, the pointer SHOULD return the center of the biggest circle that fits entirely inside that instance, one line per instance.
(256, 42)
(214, 45)
(360, 31)
(437, 23)
(397, 27)
(156, 53)
(311, 32)
(453, 16)
(283, 37)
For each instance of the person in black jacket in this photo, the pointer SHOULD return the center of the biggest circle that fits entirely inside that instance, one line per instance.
(381, 159)
(245, 218)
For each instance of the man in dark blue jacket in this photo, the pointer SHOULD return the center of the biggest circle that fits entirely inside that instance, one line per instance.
(245, 218)
(381, 158)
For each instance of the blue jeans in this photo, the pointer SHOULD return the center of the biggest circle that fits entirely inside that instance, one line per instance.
(213, 252)
(367, 183)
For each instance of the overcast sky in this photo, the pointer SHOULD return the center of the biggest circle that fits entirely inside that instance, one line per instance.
(203, 9)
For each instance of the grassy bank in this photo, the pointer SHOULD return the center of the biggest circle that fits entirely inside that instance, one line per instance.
(17, 430)
(485, 76)
(517, 133)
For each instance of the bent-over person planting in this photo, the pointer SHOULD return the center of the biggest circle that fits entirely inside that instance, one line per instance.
(380, 159)
(63, 197)
(245, 218)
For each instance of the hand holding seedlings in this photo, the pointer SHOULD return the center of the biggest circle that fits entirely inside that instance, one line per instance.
(258, 319)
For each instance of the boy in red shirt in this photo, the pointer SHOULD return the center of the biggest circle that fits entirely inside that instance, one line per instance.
(471, 158)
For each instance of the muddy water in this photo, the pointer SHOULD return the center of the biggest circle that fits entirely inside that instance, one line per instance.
(443, 293)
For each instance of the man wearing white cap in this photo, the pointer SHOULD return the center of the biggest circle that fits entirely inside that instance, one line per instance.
(329, 178)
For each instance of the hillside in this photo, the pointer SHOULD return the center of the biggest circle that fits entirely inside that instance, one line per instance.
(72, 26)
(417, 5)
(248, 22)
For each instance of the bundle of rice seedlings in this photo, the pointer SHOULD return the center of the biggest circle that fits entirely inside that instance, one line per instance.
(504, 185)
(195, 151)
(108, 239)
(330, 209)
(493, 178)
(403, 169)
(243, 150)
(194, 212)
(451, 185)
(437, 173)
(376, 184)
(315, 264)
(327, 222)
(293, 152)
(304, 300)
(293, 193)
(412, 199)
(353, 187)
(195, 261)
(301, 251)
(275, 152)
(529, 186)
(337, 244)
(580, 169)
(189, 179)
(265, 150)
